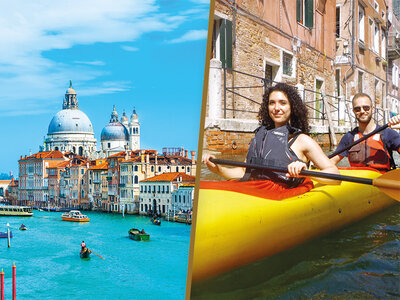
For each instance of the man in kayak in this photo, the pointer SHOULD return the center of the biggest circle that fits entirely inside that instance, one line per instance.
(376, 151)
(281, 141)
(83, 246)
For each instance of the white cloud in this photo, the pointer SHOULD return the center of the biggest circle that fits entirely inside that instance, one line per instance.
(192, 35)
(91, 63)
(29, 30)
(129, 48)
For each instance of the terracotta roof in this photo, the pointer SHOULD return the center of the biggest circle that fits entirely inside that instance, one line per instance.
(45, 154)
(187, 185)
(171, 177)
(6, 181)
(60, 165)
(103, 166)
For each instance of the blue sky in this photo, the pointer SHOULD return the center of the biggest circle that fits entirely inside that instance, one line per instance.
(144, 54)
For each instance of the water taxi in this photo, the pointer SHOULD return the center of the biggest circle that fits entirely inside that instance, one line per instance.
(75, 216)
(13, 210)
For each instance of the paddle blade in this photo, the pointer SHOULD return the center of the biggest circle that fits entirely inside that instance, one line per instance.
(389, 183)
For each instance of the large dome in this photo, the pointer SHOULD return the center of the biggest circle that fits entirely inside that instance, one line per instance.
(70, 120)
(114, 132)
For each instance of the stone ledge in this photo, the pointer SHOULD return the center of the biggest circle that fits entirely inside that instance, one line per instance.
(239, 125)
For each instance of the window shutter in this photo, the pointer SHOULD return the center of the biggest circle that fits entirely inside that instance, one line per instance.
(298, 11)
(226, 43)
(309, 12)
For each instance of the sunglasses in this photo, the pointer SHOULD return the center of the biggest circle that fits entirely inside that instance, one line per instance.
(366, 108)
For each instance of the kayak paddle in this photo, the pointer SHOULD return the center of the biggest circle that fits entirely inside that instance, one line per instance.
(338, 151)
(388, 183)
(95, 253)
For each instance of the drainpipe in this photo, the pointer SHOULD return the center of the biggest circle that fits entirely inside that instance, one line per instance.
(353, 25)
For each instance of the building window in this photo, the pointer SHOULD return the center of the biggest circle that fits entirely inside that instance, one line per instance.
(159, 169)
(305, 12)
(136, 179)
(287, 64)
(361, 24)
(152, 168)
(337, 21)
(383, 44)
(376, 38)
(82, 171)
(222, 41)
(360, 81)
(177, 169)
(108, 145)
(136, 168)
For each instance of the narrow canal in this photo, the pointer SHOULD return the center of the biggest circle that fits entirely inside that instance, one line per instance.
(49, 267)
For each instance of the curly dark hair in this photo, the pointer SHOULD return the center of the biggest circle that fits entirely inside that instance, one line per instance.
(298, 115)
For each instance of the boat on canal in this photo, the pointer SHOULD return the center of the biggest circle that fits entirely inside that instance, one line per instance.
(137, 235)
(238, 228)
(85, 253)
(23, 227)
(4, 235)
(17, 211)
(155, 221)
(75, 216)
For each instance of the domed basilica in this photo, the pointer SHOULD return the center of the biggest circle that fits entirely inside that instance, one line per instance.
(70, 130)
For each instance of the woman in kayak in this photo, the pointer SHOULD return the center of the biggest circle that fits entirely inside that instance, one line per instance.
(280, 141)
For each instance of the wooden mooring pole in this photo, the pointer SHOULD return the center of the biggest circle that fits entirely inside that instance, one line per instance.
(2, 284)
(14, 281)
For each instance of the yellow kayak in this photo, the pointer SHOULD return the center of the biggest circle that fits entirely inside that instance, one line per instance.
(234, 229)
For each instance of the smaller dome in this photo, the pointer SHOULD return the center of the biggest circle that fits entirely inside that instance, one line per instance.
(70, 91)
(124, 118)
(114, 131)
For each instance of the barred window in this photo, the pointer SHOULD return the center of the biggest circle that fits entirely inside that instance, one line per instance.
(287, 64)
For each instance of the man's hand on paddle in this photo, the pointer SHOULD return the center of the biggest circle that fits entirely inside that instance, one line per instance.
(394, 122)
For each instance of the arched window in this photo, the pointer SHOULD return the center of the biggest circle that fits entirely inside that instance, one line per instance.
(136, 168)
(74, 149)
(81, 151)
(56, 148)
(136, 179)
(177, 169)
(159, 169)
(152, 168)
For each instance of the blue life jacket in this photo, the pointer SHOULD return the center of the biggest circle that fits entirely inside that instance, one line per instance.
(271, 148)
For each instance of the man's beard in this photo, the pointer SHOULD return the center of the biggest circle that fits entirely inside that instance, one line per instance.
(364, 121)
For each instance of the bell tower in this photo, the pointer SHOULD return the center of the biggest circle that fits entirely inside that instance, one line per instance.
(134, 132)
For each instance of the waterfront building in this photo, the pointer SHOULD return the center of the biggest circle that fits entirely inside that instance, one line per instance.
(12, 197)
(54, 177)
(393, 57)
(113, 179)
(361, 53)
(78, 185)
(70, 130)
(117, 135)
(143, 164)
(182, 198)
(33, 177)
(156, 192)
(97, 170)
(258, 43)
(4, 184)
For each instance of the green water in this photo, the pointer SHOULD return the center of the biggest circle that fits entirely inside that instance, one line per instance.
(49, 266)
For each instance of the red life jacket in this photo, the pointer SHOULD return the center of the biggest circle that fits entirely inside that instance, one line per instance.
(370, 153)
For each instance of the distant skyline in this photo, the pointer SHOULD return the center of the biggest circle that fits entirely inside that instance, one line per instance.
(132, 54)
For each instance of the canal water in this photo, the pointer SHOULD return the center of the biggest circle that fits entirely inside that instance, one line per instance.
(48, 265)
(360, 261)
